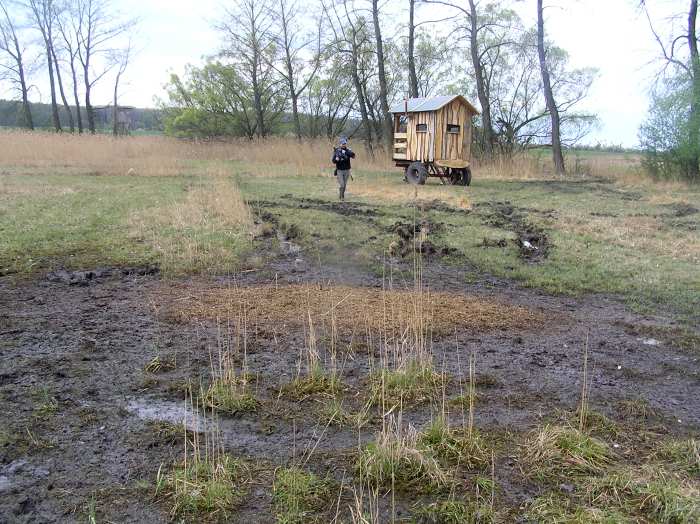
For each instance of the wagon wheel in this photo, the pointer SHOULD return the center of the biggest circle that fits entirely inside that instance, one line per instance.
(466, 176)
(416, 173)
(455, 176)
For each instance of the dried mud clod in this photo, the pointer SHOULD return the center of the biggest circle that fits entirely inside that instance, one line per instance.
(84, 278)
(532, 241)
(413, 238)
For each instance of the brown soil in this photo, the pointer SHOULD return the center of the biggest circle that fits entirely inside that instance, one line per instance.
(82, 420)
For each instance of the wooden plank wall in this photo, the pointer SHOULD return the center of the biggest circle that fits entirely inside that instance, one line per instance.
(421, 146)
(437, 143)
(451, 146)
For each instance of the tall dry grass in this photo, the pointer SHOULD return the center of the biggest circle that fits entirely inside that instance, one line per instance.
(159, 155)
(200, 232)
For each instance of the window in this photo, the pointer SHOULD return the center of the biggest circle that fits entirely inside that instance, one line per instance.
(421, 128)
(453, 128)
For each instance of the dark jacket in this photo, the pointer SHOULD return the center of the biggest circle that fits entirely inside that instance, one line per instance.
(341, 158)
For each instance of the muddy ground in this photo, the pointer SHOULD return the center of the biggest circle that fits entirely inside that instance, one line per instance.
(80, 431)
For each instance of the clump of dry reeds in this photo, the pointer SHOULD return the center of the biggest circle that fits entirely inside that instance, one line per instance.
(203, 232)
(389, 310)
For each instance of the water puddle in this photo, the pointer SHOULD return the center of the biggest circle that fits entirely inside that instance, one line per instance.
(172, 412)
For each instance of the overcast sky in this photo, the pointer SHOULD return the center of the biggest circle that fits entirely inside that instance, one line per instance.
(611, 35)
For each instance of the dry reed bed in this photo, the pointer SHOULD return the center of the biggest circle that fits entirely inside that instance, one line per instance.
(165, 156)
(349, 308)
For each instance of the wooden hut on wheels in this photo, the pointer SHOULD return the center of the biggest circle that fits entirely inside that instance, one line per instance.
(432, 137)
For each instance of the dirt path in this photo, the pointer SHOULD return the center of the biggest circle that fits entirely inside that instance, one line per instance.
(79, 418)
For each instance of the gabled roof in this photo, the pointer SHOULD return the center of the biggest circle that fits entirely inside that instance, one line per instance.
(419, 105)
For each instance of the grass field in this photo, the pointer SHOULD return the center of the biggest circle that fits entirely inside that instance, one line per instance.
(201, 332)
(638, 241)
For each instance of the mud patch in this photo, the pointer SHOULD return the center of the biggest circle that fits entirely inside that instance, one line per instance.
(682, 209)
(413, 238)
(84, 278)
(532, 241)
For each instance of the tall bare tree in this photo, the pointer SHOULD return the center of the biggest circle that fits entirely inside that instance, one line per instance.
(12, 63)
(43, 13)
(123, 61)
(250, 48)
(689, 68)
(557, 155)
(351, 39)
(97, 28)
(293, 43)
(412, 77)
(69, 43)
(386, 118)
(479, 20)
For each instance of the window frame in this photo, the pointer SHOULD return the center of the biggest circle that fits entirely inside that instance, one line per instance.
(449, 129)
(421, 128)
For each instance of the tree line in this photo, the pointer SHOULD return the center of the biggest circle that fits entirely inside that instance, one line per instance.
(338, 66)
(320, 68)
(73, 45)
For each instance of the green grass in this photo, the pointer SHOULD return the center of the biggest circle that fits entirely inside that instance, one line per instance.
(83, 221)
(414, 382)
(201, 489)
(300, 496)
(456, 446)
(563, 452)
(230, 398)
(454, 512)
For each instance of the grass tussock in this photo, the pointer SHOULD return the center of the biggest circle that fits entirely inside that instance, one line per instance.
(207, 231)
(456, 446)
(275, 305)
(160, 365)
(335, 413)
(299, 496)
(654, 495)
(454, 512)
(558, 509)
(396, 460)
(230, 396)
(682, 455)
(554, 452)
(204, 489)
(413, 381)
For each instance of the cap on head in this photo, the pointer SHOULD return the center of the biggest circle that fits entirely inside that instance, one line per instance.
(343, 141)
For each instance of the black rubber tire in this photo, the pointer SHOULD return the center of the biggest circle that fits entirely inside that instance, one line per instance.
(455, 176)
(416, 173)
(466, 176)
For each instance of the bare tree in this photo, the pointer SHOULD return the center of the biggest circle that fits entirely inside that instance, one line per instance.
(12, 66)
(479, 20)
(351, 39)
(123, 62)
(412, 77)
(250, 47)
(96, 30)
(689, 67)
(69, 44)
(557, 154)
(386, 118)
(292, 47)
(43, 13)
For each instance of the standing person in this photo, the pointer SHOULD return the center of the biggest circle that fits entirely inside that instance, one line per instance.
(341, 158)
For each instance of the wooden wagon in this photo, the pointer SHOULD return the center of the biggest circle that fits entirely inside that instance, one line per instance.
(432, 137)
